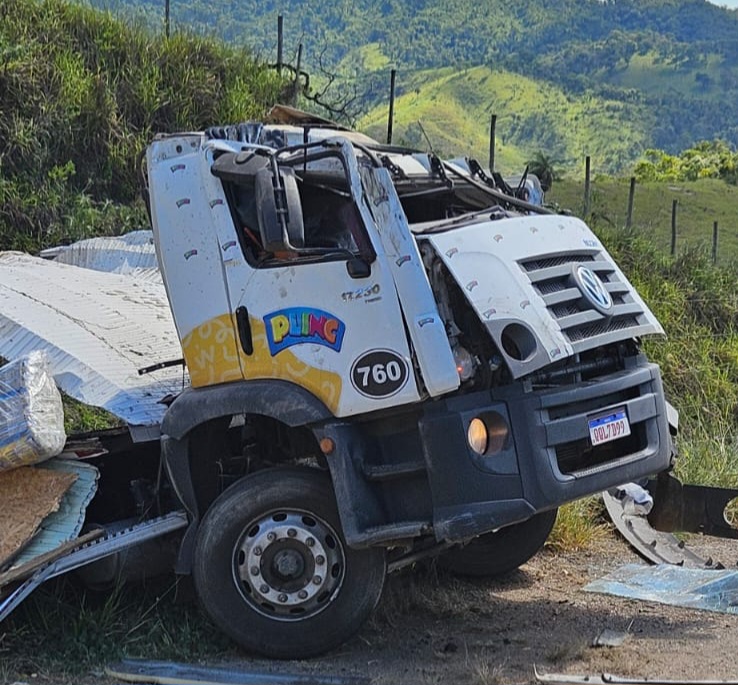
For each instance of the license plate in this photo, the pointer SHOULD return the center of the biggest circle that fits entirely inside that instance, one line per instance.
(610, 426)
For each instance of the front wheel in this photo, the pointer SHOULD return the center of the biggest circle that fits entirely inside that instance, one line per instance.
(495, 554)
(273, 570)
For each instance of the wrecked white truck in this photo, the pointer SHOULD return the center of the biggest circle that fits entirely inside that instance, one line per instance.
(390, 357)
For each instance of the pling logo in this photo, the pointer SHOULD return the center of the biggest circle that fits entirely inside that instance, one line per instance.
(177, 167)
(190, 253)
(471, 285)
(215, 203)
(183, 201)
(533, 229)
(228, 245)
(425, 321)
(488, 314)
(497, 238)
(401, 260)
(524, 304)
(450, 253)
(298, 325)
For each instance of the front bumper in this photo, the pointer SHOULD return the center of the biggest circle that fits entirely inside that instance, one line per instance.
(550, 459)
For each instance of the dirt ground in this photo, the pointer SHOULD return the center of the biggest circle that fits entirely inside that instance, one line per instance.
(433, 628)
(484, 632)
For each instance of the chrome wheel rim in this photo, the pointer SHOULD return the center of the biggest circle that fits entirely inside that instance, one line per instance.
(289, 565)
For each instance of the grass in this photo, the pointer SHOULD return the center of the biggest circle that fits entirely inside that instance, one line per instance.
(82, 418)
(578, 524)
(82, 95)
(64, 631)
(699, 205)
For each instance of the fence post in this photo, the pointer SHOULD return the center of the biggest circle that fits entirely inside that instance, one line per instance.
(492, 127)
(296, 88)
(393, 75)
(631, 196)
(714, 241)
(587, 170)
(673, 226)
(280, 42)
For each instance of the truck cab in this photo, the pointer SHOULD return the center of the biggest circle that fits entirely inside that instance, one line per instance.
(392, 357)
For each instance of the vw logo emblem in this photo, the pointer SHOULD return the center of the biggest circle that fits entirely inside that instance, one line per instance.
(593, 289)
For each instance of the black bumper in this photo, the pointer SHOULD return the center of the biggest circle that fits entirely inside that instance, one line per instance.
(550, 459)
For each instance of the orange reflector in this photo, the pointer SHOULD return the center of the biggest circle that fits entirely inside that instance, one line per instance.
(327, 445)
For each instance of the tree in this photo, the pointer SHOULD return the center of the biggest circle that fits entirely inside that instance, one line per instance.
(544, 167)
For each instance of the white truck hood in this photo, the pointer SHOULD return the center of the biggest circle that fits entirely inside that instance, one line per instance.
(544, 287)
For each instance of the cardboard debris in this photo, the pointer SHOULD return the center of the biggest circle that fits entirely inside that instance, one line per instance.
(28, 495)
(66, 523)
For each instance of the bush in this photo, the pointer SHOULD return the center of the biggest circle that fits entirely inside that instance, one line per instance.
(81, 95)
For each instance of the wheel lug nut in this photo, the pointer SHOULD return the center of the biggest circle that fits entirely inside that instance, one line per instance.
(257, 551)
(310, 542)
(282, 598)
(254, 570)
(317, 580)
(291, 532)
(264, 589)
(320, 560)
(302, 594)
(271, 537)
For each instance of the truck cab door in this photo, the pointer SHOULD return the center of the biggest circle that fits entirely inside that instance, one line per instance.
(320, 309)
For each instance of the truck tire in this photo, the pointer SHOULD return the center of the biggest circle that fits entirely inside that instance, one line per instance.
(498, 553)
(273, 570)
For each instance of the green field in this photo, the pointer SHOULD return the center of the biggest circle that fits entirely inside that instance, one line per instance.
(699, 205)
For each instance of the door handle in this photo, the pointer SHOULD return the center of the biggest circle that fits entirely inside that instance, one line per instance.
(243, 324)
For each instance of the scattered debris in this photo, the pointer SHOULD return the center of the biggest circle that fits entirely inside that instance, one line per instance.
(66, 523)
(710, 589)
(653, 545)
(610, 638)
(31, 414)
(609, 679)
(86, 551)
(141, 671)
(132, 253)
(28, 495)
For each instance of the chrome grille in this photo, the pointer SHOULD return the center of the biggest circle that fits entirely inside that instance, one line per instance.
(583, 324)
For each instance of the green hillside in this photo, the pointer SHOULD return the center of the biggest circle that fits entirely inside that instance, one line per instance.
(638, 73)
(454, 108)
(81, 94)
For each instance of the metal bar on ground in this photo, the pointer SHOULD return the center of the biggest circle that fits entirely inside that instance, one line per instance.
(609, 679)
(93, 551)
(169, 673)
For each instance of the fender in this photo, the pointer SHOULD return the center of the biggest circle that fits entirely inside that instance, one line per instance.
(279, 400)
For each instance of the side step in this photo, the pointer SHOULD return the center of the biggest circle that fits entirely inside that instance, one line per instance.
(94, 551)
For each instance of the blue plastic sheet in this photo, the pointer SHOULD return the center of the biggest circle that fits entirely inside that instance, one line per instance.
(712, 590)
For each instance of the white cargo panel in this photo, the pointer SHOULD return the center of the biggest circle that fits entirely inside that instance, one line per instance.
(97, 329)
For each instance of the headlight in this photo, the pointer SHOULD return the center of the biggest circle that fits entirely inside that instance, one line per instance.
(487, 434)
(464, 363)
(477, 436)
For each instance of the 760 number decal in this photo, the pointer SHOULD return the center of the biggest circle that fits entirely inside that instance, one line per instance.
(379, 373)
